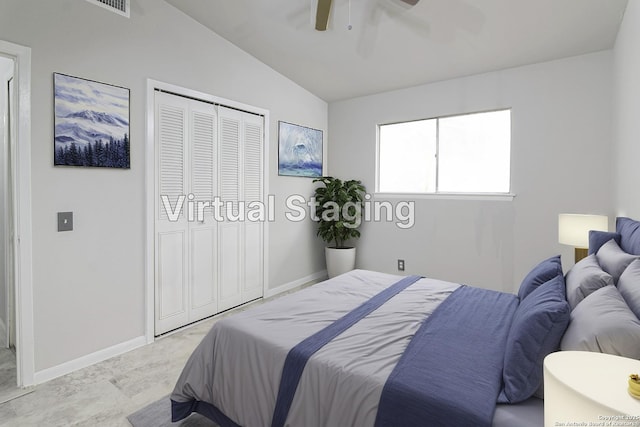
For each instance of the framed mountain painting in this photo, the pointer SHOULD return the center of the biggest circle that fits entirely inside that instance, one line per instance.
(299, 150)
(91, 124)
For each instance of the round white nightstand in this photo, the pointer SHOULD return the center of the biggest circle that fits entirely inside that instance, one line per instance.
(589, 389)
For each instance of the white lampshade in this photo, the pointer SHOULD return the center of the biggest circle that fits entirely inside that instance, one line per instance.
(573, 229)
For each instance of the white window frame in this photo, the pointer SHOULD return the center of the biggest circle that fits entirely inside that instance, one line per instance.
(508, 196)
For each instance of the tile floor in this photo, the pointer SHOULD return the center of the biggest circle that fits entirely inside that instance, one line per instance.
(105, 393)
(7, 369)
(7, 372)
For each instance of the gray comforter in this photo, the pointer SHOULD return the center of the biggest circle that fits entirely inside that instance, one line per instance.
(238, 365)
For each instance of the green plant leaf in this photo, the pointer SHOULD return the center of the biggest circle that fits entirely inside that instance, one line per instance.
(331, 197)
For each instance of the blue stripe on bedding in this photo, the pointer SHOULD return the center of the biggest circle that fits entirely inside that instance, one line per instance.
(451, 372)
(299, 355)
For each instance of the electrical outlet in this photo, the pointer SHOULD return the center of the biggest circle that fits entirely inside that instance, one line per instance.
(400, 265)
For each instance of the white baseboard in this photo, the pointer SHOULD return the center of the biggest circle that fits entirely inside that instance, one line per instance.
(88, 360)
(118, 349)
(320, 275)
(3, 334)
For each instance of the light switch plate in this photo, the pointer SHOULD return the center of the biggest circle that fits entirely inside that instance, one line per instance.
(65, 221)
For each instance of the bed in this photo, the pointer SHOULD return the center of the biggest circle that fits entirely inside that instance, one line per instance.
(374, 349)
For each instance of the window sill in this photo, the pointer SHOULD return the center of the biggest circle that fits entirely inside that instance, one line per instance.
(501, 197)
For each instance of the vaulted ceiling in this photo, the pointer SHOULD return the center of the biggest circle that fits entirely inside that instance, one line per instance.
(392, 45)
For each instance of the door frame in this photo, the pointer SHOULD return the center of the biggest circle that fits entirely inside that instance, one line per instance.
(150, 169)
(7, 281)
(21, 182)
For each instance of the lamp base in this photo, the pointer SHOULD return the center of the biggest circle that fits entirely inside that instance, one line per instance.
(581, 253)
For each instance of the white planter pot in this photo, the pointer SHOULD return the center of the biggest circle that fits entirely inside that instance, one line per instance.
(339, 260)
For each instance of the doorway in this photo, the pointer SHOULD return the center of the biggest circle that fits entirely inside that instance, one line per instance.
(8, 366)
(16, 213)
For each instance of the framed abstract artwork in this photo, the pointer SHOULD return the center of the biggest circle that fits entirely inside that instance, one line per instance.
(91, 123)
(299, 150)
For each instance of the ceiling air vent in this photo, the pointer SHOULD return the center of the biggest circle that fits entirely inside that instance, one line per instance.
(121, 7)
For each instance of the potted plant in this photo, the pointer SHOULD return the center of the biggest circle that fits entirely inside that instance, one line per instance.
(338, 209)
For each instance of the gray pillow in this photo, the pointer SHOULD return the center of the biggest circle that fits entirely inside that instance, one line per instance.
(629, 286)
(584, 278)
(613, 260)
(604, 323)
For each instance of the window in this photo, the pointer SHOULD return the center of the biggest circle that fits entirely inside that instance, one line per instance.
(469, 153)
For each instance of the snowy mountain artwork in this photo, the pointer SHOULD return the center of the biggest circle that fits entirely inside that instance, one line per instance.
(299, 150)
(91, 123)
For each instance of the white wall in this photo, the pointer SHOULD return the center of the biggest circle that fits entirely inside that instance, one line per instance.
(561, 156)
(626, 107)
(6, 71)
(89, 283)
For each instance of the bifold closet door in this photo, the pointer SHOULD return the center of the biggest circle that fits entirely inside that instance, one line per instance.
(253, 251)
(203, 251)
(185, 244)
(241, 186)
(230, 229)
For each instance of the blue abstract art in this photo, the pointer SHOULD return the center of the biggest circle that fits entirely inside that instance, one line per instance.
(91, 123)
(299, 150)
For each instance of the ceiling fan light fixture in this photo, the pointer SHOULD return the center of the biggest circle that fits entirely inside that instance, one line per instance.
(324, 10)
(322, 14)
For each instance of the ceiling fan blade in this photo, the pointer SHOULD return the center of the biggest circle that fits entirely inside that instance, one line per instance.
(322, 14)
(411, 2)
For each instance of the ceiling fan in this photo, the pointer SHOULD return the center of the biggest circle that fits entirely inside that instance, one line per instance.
(324, 9)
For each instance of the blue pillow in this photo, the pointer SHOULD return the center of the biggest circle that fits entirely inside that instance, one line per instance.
(538, 325)
(599, 238)
(541, 273)
(630, 235)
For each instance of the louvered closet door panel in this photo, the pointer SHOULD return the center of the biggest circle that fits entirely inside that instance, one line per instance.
(253, 191)
(253, 140)
(170, 135)
(230, 230)
(204, 124)
(230, 154)
(253, 261)
(230, 291)
(171, 303)
(171, 234)
(203, 295)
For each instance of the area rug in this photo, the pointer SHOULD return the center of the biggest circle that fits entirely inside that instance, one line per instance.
(158, 414)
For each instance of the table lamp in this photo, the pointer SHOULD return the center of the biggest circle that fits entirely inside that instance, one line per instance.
(573, 230)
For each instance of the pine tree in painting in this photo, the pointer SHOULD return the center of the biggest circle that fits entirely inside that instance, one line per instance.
(89, 156)
(113, 153)
(73, 157)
